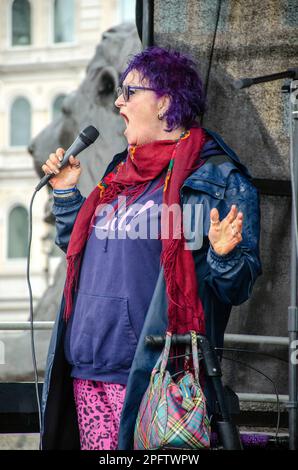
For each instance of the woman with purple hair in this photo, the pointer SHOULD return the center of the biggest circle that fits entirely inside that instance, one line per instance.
(132, 270)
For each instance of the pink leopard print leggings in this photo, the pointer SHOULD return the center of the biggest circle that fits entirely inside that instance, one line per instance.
(99, 406)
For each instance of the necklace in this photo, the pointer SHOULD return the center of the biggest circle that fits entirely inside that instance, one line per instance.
(183, 136)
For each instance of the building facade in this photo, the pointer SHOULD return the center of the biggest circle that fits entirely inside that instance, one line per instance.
(45, 46)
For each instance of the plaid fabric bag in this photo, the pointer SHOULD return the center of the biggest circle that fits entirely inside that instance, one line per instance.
(173, 415)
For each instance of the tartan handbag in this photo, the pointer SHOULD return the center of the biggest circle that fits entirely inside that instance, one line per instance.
(173, 415)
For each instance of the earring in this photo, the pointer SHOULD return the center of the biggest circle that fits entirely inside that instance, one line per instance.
(160, 116)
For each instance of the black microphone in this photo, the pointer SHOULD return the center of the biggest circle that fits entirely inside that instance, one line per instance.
(243, 83)
(85, 138)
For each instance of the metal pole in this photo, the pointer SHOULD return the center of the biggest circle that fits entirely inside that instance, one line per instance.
(256, 339)
(147, 24)
(292, 310)
(262, 397)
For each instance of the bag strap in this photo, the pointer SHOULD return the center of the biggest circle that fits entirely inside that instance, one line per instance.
(166, 353)
(162, 361)
(164, 357)
(195, 357)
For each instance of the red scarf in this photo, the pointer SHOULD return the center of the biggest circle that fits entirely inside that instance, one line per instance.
(143, 164)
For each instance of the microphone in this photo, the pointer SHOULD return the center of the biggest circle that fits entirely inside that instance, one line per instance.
(243, 83)
(84, 139)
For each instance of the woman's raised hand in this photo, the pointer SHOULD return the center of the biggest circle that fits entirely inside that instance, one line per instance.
(224, 235)
(66, 177)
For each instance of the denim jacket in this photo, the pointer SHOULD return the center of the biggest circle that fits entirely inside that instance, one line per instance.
(223, 281)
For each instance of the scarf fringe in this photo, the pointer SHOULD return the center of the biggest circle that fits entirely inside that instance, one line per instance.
(168, 261)
(72, 277)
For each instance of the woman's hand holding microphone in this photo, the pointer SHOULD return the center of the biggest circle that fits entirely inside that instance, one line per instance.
(64, 178)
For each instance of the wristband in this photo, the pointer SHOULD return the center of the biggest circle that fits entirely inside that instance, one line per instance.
(64, 191)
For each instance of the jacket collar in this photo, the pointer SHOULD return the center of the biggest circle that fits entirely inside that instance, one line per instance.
(225, 149)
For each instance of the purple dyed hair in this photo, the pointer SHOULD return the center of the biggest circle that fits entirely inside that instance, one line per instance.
(174, 74)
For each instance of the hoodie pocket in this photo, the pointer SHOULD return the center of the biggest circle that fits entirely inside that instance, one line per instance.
(102, 334)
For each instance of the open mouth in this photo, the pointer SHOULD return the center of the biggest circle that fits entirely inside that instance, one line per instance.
(125, 119)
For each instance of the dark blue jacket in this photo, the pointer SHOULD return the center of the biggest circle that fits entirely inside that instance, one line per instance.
(223, 281)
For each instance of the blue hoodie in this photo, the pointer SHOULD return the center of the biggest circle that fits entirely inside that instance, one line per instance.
(117, 279)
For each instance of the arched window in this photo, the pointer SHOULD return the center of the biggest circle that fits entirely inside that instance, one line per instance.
(21, 23)
(18, 232)
(127, 10)
(57, 105)
(20, 122)
(63, 20)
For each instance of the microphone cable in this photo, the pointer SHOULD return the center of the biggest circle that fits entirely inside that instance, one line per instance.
(262, 373)
(211, 56)
(274, 386)
(86, 137)
(253, 351)
(33, 353)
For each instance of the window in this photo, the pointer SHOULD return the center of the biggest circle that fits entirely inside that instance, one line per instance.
(21, 23)
(20, 122)
(127, 9)
(57, 105)
(18, 232)
(63, 20)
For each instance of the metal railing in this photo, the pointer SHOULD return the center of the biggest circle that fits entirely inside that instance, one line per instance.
(257, 339)
(229, 338)
(26, 325)
(262, 397)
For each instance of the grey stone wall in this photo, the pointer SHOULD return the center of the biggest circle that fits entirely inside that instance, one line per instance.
(253, 38)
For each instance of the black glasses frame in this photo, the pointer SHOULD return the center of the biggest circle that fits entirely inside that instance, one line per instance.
(125, 90)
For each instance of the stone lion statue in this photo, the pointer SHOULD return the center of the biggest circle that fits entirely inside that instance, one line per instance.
(92, 104)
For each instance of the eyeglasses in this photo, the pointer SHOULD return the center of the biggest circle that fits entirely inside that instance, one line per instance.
(127, 90)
